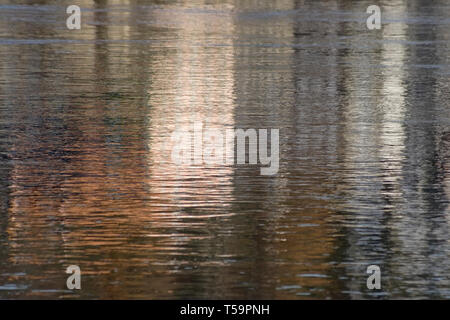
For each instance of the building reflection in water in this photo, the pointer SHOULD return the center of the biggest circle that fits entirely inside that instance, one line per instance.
(394, 203)
(86, 119)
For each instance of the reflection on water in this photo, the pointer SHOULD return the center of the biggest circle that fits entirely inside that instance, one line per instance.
(85, 170)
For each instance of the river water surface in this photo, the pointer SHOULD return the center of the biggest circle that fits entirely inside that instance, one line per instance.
(85, 123)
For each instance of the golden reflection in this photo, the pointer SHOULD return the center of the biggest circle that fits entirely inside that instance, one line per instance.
(192, 82)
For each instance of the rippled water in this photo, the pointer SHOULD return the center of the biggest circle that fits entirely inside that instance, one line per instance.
(86, 117)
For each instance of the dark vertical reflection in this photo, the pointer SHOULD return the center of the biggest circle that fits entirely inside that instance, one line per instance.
(5, 172)
(426, 211)
(397, 185)
(372, 153)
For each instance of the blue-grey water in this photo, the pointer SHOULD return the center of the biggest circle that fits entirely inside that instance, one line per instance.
(86, 118)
